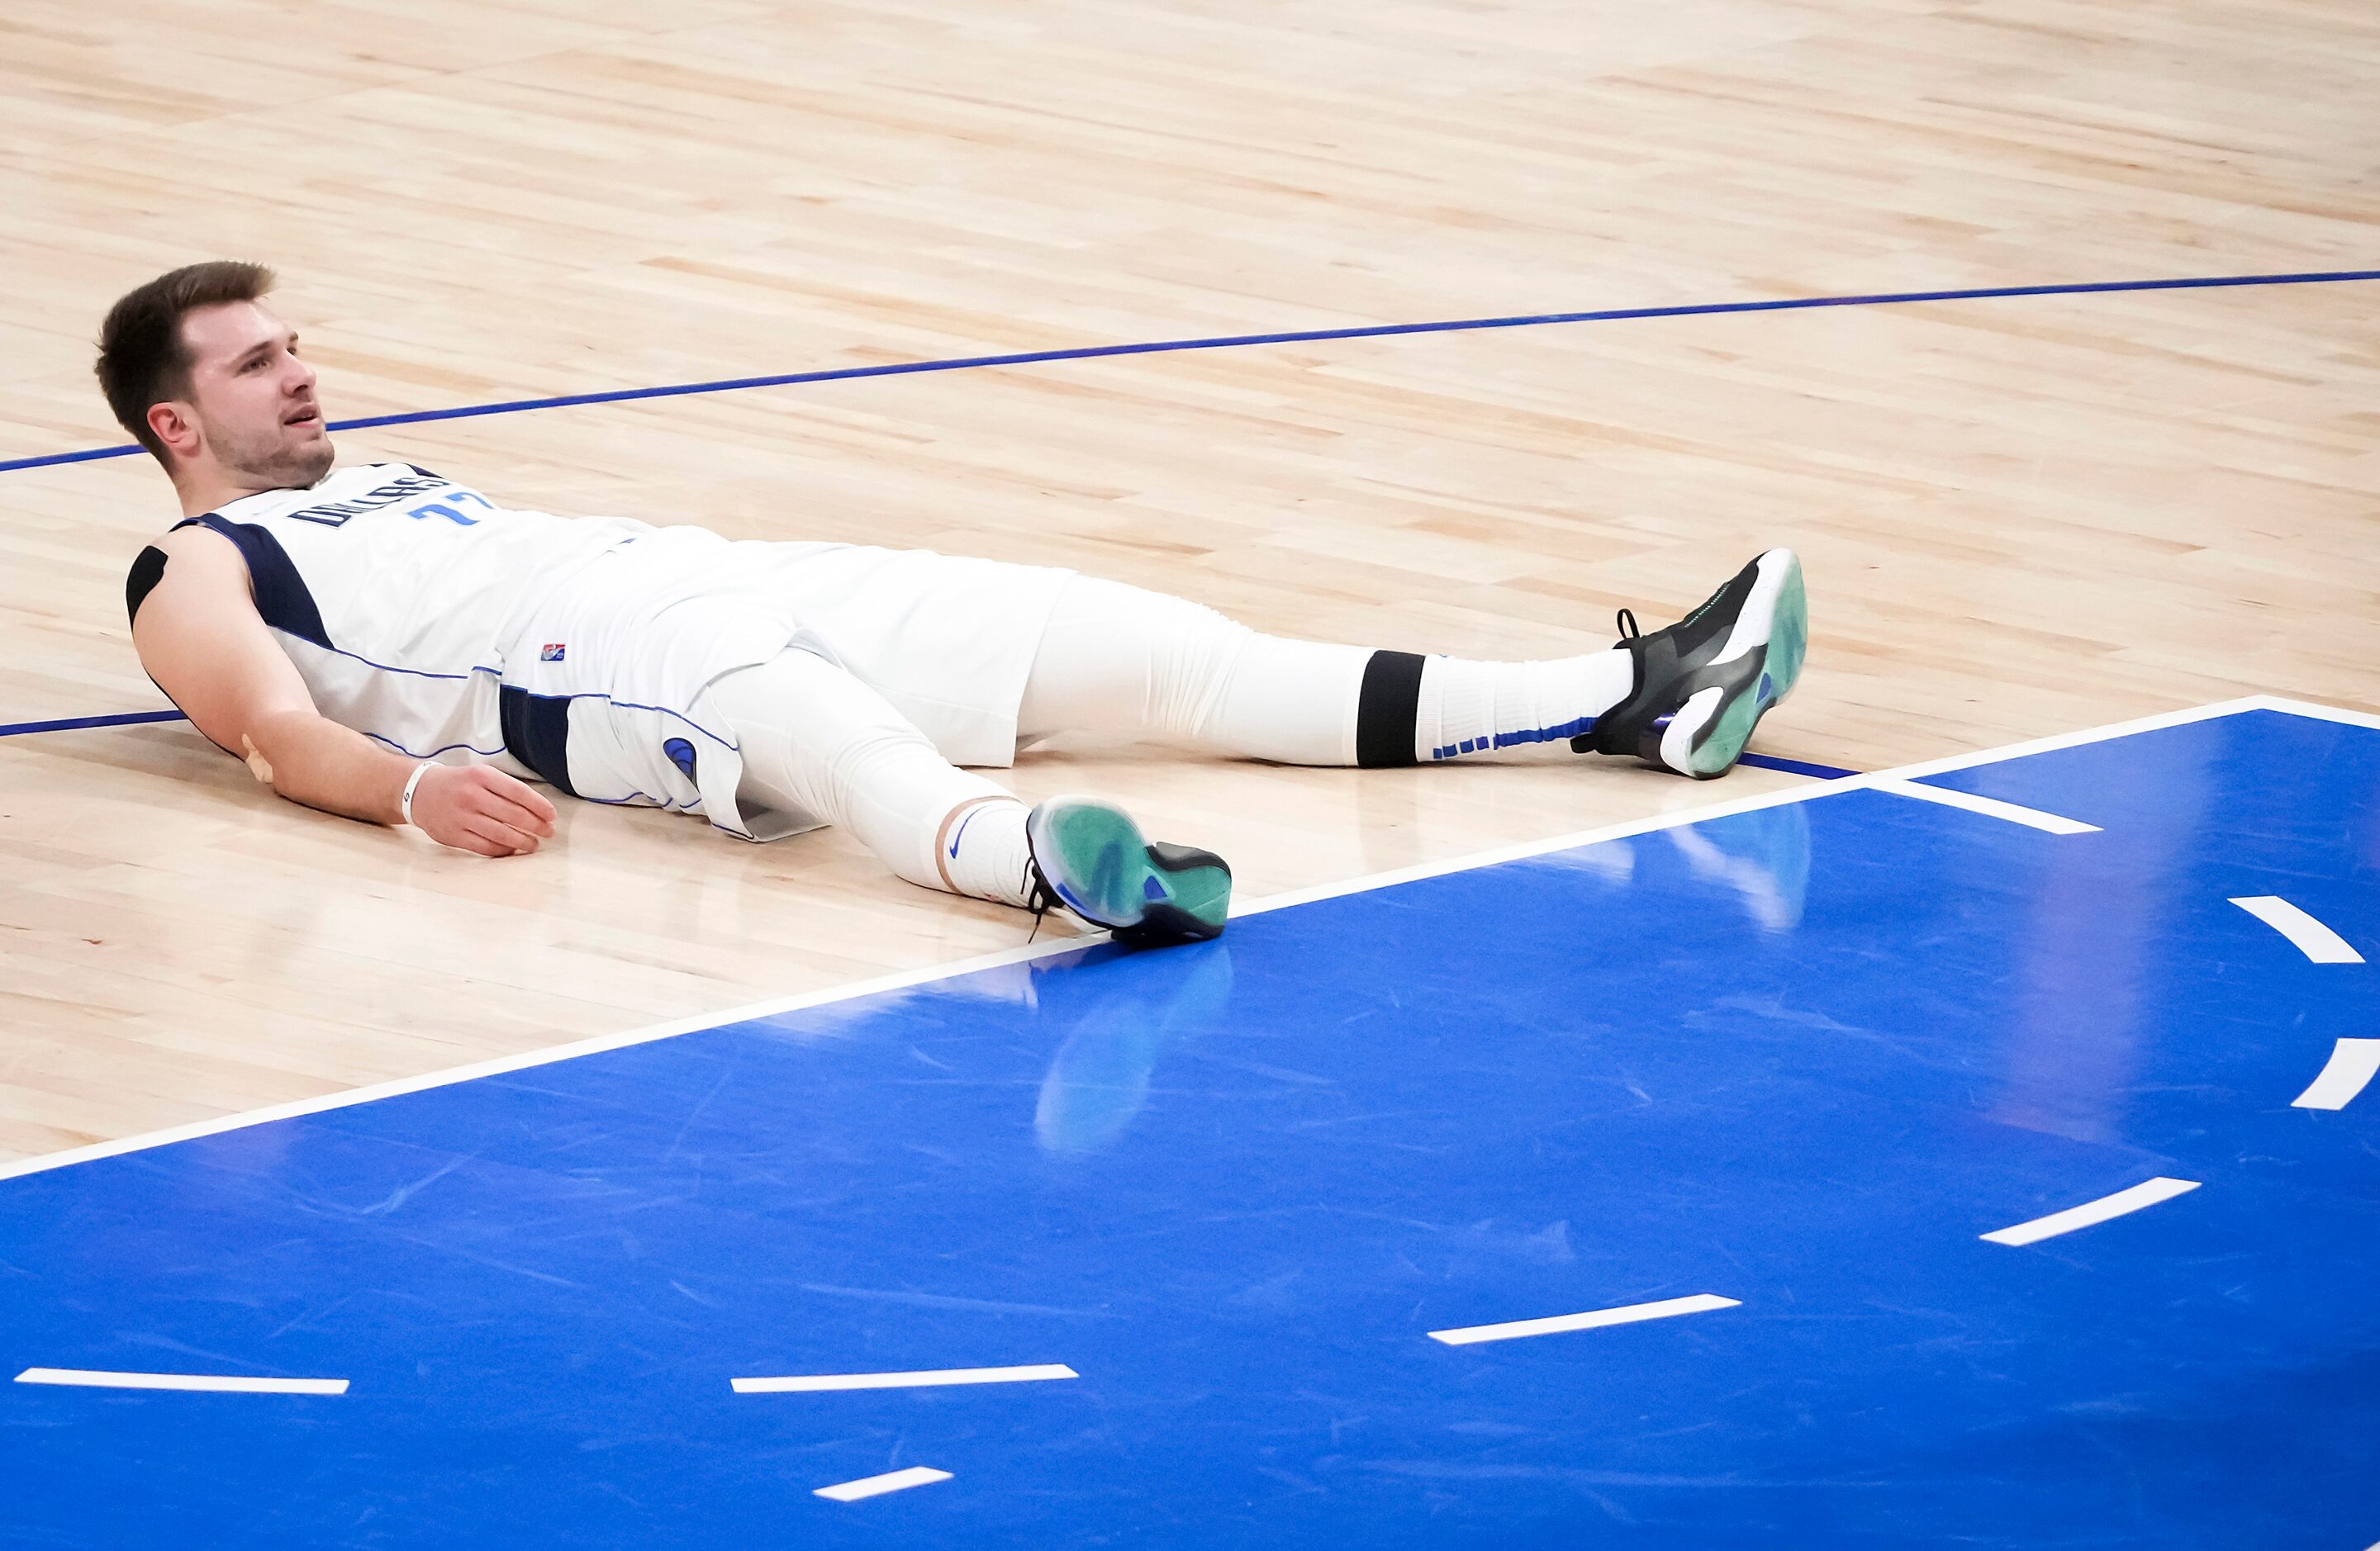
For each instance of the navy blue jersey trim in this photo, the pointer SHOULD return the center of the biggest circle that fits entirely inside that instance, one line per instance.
(537, 732)
(282, 599)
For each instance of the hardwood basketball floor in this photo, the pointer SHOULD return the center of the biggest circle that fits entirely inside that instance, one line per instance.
(2019, 515)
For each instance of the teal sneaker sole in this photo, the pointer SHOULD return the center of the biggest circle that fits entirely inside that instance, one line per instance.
(1101, 868)
(1767, 677)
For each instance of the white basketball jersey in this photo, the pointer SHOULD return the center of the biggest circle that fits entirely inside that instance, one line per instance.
(397, 593)
(578, 650)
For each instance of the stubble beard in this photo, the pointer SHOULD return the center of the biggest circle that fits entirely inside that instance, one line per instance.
(275, 465)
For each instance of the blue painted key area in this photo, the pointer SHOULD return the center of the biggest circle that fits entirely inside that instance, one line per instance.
(1801, 1057)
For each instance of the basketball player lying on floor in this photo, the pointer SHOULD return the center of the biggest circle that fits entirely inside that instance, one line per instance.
(380, 642)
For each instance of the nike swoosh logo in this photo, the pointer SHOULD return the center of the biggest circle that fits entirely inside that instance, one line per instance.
(959, 831)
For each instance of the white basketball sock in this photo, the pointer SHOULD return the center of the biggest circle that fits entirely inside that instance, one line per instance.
(983, 851)
(1473, 707)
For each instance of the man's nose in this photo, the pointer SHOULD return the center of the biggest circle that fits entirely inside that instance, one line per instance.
(301, 376)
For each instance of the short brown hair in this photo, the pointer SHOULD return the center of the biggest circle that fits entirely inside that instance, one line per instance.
(141, 359)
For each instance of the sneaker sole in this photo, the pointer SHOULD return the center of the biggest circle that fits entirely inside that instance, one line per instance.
(1105, 870)
(1706, 735)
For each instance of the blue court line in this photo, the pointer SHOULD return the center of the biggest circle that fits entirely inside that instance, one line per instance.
(1302, 337)
(1770, 763)
(73, 723)
(134, 719)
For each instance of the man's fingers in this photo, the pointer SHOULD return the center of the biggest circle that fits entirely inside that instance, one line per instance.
(468, 841)
(519, 793)
(491, 836)
(501, 839)
(506, 808)
(535, 801)
(476, 808)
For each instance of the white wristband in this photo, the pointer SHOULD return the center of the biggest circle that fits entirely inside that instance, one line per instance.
(404, 803)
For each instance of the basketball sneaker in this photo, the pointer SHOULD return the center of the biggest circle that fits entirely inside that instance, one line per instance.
(1090, 856)
(1702, 683)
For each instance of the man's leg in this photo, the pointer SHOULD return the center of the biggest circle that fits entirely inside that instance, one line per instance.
(1118, 658)
(817, 742)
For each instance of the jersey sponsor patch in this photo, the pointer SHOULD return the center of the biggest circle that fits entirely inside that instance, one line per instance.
(681, 753)
(551, 652)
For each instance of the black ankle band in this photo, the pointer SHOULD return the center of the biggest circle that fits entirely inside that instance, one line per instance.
(1386, 710)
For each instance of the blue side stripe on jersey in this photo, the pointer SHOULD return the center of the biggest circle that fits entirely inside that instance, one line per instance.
(432, 754)
(669, 712)
(412, 673)
(282, 597)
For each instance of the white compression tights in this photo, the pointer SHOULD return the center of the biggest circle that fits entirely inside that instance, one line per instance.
(1118, 658)
(1122, 660)
(819, 745)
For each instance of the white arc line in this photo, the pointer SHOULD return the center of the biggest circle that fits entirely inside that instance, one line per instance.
(2316, 940)
(1594, 1318)
(877, 1486)
(919, 1380)
(1989, 807)
(932, 974)
(2148, 1193)
(88, 1378)
(2352, 1064)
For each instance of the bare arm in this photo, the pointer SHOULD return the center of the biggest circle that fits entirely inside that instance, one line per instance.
(200, 638)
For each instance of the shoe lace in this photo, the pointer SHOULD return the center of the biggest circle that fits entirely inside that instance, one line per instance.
(1627, 623)
(1041, 898)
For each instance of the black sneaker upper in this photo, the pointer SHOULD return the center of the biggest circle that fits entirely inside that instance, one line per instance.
(1668, 671)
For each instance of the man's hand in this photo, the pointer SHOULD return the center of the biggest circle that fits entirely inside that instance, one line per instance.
(476, 807)
(201, 639)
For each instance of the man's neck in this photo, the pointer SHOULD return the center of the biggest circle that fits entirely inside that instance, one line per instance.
(205, 491)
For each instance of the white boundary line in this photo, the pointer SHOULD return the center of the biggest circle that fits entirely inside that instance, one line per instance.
(2123, 1203)
(2312, 937)
(87, 1378)
(2352, 1065)
(1031, 952)
(877, 1486)
(922, 1379)
(1817, 788)
(1629, 1313)
(1990, 807)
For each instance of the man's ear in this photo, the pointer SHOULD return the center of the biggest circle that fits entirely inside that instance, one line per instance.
(174, 426)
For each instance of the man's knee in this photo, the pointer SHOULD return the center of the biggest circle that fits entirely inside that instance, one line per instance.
(1192, 664)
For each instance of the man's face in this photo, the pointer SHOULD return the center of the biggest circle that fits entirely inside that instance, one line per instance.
(251, 400)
